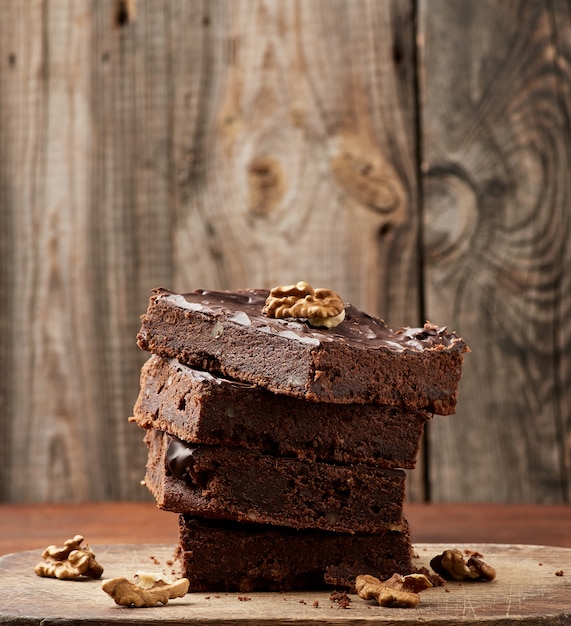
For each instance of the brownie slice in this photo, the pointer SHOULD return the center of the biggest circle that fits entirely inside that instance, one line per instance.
(227, 556)
(359, 361)
(247, 485)
(199, 407)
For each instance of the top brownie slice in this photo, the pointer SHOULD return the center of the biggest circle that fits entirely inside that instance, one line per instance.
(359, 361)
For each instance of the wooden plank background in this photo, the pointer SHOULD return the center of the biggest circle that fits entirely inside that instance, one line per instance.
(411, 154)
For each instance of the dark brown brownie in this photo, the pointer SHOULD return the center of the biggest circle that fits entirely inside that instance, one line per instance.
(247, 485)
(199, 407)
(226, 556)
(359, 361)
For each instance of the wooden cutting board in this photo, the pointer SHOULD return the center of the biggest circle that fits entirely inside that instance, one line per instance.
(533, 586)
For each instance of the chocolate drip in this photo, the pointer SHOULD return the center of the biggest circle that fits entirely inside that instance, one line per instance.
(179, 458)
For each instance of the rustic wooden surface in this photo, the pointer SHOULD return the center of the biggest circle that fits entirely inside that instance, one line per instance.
(412, 156)
(527, 591)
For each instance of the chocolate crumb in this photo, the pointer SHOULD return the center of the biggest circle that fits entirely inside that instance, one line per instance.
(316, 604)
(302, 602)
(435, 579)
(560, 573)
(342, 599)
(244, 598)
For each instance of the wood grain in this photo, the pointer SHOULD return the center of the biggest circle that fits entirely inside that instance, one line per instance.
(496, 154)
(299, 151)
(526, 592)
(412, 155)
(187, 144)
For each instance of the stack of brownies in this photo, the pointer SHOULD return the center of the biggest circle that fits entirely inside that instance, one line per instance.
(282, 445)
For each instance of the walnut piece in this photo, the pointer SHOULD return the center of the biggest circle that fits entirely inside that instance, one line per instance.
(321, 307)
(451, 565)
(397, 591)
(69, 561)
(149, 591)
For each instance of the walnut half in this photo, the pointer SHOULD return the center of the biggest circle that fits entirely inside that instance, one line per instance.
(397, 591)
(451, 564)
(70, 561)
(321, 307)
(149, 591)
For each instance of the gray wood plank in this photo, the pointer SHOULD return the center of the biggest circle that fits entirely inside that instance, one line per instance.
(194, 144)
(303, 166)
(496, 183)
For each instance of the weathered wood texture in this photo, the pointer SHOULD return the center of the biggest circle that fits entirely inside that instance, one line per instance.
(525, 592)
(234, 143)
(496, 149)
(219, 144)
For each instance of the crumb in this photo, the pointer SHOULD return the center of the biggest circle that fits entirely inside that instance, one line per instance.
(154, 560)
(244, 598)
(435, 579)
(446, 590)
(560, 573)
(207, 597)
(216, 596)
(316, 604)
(342, 599)
(540, 564)
(302, 602)
(170, 562)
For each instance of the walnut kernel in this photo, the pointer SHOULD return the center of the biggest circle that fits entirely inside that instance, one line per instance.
(69, 561)
(150, 590)
(321, 307)
(397, 591)
(451, 564)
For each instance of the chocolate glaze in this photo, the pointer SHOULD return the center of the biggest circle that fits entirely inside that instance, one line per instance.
(359, 329)
(208, 376)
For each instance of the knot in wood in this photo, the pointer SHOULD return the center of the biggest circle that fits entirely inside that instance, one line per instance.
(266, 185)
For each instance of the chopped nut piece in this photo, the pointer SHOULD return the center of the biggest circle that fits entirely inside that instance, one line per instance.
(69, 561)
(127, 593)
(397, 591)
(451, 565)
(321, 307)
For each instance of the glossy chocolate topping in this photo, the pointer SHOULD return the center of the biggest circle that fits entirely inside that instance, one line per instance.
(359, 329)
(206, 376)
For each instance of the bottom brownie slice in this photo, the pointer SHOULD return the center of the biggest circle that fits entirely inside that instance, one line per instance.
(228, 556)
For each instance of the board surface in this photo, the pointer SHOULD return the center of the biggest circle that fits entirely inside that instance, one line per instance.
(533, 586)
